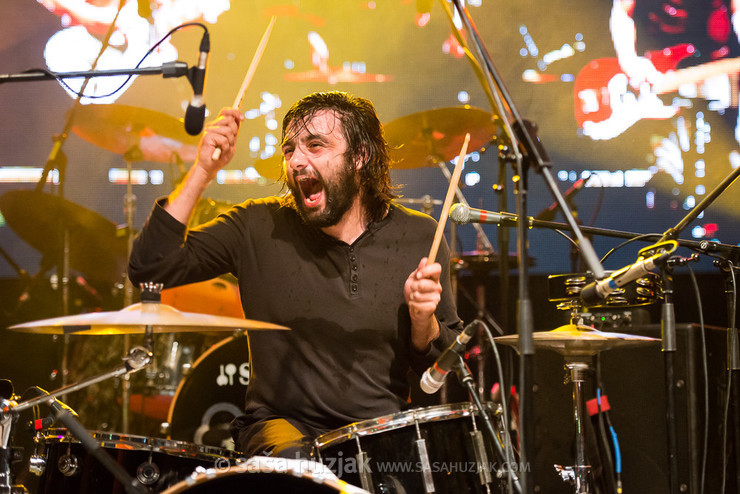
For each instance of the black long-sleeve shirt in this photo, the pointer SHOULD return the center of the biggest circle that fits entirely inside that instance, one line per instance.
(347, 354)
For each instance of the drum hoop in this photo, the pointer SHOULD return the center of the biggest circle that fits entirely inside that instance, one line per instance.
(255, 466)
(131, 442)
(437, 413)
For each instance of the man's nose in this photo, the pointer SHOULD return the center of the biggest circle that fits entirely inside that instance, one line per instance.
(297, 160)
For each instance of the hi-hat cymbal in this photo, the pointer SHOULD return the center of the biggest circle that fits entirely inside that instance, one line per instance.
(94, 248)
(136, 318)
(138, 133)
(437, 133)
(575, 340)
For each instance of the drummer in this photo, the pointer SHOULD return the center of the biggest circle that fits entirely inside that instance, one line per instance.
(333, 259)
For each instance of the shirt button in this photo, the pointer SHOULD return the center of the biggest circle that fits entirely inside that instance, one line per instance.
(354, 277)
(354, 287)
(352, 258)
(354, 268)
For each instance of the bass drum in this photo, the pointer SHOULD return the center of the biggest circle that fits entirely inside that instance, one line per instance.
(211, 395)
(262, 474)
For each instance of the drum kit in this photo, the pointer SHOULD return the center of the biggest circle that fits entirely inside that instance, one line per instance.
(442, 448)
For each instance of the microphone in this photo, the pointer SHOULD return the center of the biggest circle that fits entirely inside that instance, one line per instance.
(460, 213)
(195, 114)
(434, 376)
(549, 213)
(599, 290)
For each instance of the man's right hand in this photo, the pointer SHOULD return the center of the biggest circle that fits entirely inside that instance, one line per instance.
(218, 134)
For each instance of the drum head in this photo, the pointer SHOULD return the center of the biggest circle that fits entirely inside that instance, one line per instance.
(212, 394)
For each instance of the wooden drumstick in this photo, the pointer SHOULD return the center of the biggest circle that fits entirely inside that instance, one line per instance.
(250, 74)
(448, 200)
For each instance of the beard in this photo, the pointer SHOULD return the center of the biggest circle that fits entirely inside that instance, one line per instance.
(339, 192)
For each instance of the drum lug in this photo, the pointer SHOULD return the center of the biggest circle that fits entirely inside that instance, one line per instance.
(481, 457)
(68, 465)
(426, 468)
(37, 464)
(148, 473)
(365, 478)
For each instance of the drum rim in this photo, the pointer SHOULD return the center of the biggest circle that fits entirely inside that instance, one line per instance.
(436, 413)
(132, 442)
(254, 466)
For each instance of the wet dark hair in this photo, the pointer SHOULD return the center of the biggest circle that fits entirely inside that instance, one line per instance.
(365, 142)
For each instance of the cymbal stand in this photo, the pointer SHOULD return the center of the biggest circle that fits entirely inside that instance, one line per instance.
(57, 160)
(129, 209)
(579, 475)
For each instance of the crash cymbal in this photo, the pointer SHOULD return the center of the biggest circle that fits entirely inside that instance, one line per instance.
(576, 340)
(94, 248)
(438, 134)
(135, 319)
(138, 133)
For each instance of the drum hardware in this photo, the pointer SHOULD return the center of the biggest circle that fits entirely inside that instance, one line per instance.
(148, 473)
(152, 464)
(136, 360)
(578, 344)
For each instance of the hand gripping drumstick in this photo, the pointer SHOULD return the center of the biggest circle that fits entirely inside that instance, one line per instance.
(448, 200)
(250, 74)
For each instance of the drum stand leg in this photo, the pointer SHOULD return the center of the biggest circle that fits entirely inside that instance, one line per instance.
(578, 475)
(129, 208)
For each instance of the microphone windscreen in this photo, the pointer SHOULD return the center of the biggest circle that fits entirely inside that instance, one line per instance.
(195, 116)
(459, 213)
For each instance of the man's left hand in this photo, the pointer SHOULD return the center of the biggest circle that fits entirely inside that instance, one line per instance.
(423, 292)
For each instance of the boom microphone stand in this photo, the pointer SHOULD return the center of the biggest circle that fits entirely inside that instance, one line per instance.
(523, 138)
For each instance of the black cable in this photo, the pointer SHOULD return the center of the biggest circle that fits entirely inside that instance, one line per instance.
(705, 372)
(504, 405)
(614, 249)
(128, 78)
(731, 343)
(603, 436)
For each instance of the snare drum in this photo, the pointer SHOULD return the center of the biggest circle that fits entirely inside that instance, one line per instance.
(436, 449)
(154, 463)
(268, 475)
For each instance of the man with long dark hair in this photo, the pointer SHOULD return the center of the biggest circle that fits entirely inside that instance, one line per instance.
(334, 260)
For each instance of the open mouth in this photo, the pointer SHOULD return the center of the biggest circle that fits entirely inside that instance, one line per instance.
(311, 189)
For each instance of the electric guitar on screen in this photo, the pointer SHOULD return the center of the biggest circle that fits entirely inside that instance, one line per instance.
(606, 104)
